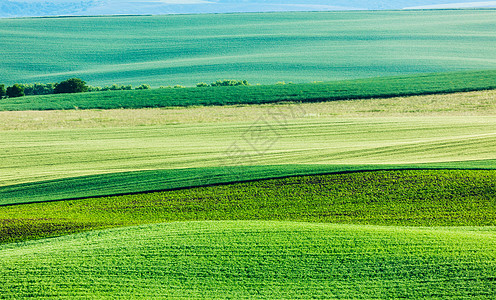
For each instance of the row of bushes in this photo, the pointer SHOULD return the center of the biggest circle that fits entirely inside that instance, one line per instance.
(73, 85)
(76, 85)
(12, 91)
(227, 82)
(116, 87)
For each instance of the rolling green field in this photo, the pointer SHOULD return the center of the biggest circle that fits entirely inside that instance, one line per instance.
(253, 259)
(261, 48)
(388, 233)
(400, 198)
(382, 87)
(273, 191)
(56, 155)
(158, 180)
(30, 156)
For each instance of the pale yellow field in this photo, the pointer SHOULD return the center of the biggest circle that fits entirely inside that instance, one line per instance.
(57, 144)
(481, 103)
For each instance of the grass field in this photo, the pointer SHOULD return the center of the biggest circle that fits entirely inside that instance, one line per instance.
(30, 156)
(52, 155)
(410, 85)
(384, 234)
(250, 259)
(405, 198)
(383, 196)
(261, 48)
(478, 103)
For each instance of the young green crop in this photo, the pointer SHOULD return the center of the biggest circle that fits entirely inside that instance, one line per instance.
(382, 87)
(406, 198)
(160, 180)
(255, 260)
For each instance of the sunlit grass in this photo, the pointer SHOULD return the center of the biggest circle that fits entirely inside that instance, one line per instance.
(406, 198)
(255, 259)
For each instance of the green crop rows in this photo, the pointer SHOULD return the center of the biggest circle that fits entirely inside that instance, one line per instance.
(413, 198)
(309, 92)
(250, 259)
(157, 180)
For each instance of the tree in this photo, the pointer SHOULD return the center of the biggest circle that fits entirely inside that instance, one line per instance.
(73, 85)
(2, 90)
(15, 91)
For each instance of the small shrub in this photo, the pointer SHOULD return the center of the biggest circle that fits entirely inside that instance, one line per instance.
(202, 84)
(94, 89)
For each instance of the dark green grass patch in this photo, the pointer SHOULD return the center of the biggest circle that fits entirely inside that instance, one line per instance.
(408, 197)
(382, 87)
(159, 180)
(255, 260)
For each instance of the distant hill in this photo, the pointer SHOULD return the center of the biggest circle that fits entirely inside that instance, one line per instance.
(139, 7)
(261, 48)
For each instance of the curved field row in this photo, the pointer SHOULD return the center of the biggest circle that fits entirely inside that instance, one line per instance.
(254, 259)
(407, 198)
(161, 180)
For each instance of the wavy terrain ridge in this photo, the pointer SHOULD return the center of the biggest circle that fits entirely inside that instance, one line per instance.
(253, 259)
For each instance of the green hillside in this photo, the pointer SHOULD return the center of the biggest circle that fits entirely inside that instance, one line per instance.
(261, 48)
(158, 180)
(406, 198)
(382, 87)
(249, 259)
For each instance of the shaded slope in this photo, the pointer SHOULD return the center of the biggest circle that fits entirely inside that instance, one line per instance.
(158, 180)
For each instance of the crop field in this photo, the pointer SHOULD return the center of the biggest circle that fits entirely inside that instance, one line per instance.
(30, 156)
(402, 197)
(253, 259)
(477, 103)
(261, 48)
(378, 182)
(417, 220)
(53, 155)
(382, 87)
